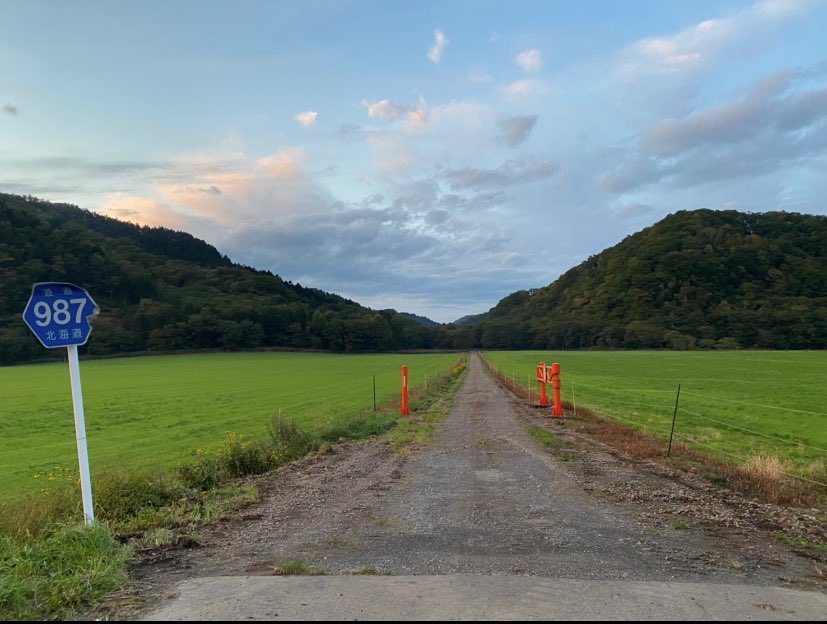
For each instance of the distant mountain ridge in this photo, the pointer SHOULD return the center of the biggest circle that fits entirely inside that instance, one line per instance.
(422, 320)
(164, 290)
(699, 279)
(469, 319)
(696, 279)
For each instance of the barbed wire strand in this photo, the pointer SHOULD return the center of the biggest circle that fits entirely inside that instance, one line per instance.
(763, 435)
(640, 424)
(786, 409)
(619, 390)
(816, 448)
(740, 458)
(697, 394)
(641, 403)
(745, 460)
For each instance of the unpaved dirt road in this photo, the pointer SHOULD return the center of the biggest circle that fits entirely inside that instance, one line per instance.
(486, 523)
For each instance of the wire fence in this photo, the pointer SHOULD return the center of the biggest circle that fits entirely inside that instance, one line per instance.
(636, 408)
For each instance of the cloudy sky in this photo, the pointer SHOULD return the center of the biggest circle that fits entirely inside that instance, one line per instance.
(429, 156)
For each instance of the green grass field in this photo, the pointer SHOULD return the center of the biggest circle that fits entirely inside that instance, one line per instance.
(734, 404)
(156, 411)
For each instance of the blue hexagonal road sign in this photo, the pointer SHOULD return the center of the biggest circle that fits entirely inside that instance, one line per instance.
(59, 314)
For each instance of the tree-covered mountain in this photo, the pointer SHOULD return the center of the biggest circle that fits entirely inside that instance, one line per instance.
(163, 290)
(696, 279)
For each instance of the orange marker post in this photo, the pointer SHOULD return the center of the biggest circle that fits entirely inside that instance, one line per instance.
(555, 383)
(541, 378)
(405, 411)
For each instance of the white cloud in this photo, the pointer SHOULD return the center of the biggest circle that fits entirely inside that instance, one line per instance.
(780, 8)
(524, 88)
(435, 52)
(465, 114)
(385, 110)
(706, 42)
(479, 76)
(530, 61)
(307, 118)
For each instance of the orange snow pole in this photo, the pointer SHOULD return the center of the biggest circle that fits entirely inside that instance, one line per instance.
(555, 383)
(541, 378)
(405, 411)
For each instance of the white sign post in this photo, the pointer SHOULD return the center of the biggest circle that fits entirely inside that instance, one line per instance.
(80, 435)
(58, 314)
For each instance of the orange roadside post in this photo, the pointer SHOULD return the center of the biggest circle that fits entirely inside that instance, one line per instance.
(555, 383)
(541, 378)
(405, 411)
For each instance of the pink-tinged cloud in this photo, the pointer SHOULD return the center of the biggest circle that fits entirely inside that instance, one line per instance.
(143, 211)
(435, 52)
(530, 61)
(307, 118)
(207, 196)
(12, 110)
(283, 163)
(777, 124)
(245, 188)
(385, 110)
(767, 106)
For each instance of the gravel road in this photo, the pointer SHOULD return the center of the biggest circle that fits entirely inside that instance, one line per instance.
(486, 500)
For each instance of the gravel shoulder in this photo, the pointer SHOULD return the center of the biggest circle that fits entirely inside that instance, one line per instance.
(485, 498)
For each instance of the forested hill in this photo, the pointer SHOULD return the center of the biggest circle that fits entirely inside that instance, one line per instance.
(163, 290)
(696, 279)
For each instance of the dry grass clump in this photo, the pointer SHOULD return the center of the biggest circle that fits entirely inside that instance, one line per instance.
(766, 477)
(764, 467)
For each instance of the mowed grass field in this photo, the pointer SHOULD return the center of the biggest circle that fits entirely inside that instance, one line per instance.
(156, 411)
(737, 405)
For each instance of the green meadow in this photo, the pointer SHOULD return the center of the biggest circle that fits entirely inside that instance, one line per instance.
(159, 410)
(737, 405)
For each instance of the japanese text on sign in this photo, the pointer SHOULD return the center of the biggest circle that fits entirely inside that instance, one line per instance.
(58, 314)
